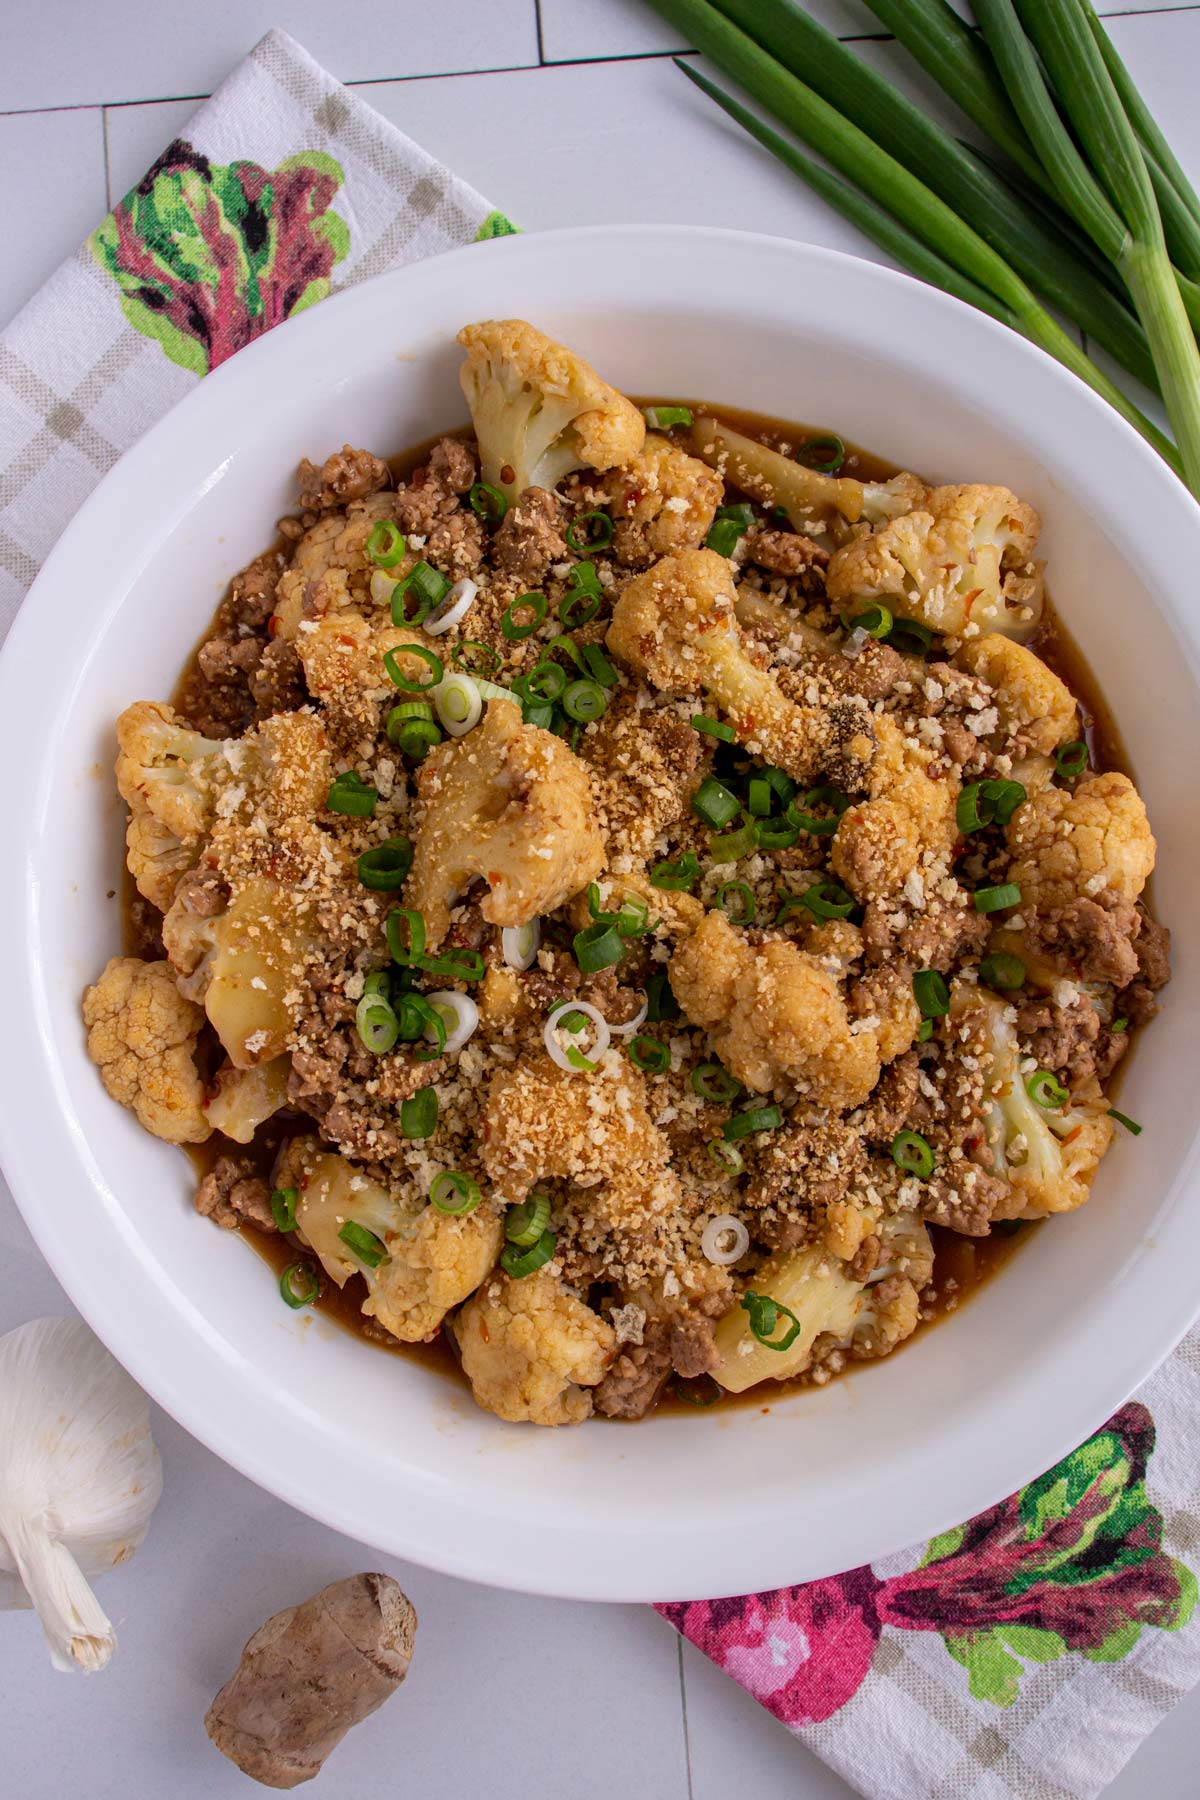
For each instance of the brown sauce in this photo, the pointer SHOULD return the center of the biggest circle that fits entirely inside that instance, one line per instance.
(962, 1266)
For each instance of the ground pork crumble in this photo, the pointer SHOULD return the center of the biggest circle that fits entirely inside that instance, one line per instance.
(836, 935)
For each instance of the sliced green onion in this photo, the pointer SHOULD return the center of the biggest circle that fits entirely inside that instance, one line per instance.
(380, 982)
(351, 795)
(410, 709)
(744, 912)
(363, 1243)
(419, 1114)
(782, 786)
(454, 1193)
(1119, 1025)
(518, 1263)
(283, 1208)
(598, 947)
(524, 1224)
(724, 536)
(716, 728)
(581, 602)
(299, 1284)
(802, 811)
(731, 846)
(696, 1390)
(432, 1019)
(714, 802)
(631, 920)
(727, 1157)
(660, 1000)
(661, 418)
(765, 1316)
(585, 701)
(1122, 1119)
(456, 965)
(912, 1153)
(406, 683)
(996, 899)
(828, 900)
(563, 642)
(931, 994)
(910, 637)
(545, 682)
(413, 737)
(1045, 1090)
(407, 953)
(759, 797)
(376, 1024)
(600, 667)
(385, 544)
(1000, 970)
(650, 1054)
(824, 454)
(386, 866)
(876, 621)
(538, 712)
(411, 1011)
(776, 834)
(924, 1031)
(789, 904)
(1071, 759)
(481, 660)
(534, 604)
(714, 1083)
(988, 803)
(589, 532)
(676, 877)
(426, 586)
(487, 502)
(756, 1118)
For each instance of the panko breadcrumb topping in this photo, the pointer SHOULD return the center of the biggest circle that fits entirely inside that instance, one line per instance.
(607, 897)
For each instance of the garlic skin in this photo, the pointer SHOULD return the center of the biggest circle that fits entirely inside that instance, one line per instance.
(79, 1479)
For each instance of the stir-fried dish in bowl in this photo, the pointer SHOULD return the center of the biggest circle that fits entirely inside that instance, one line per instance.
(613, 897)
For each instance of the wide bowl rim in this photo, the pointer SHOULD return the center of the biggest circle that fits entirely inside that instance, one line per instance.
(664, 1563)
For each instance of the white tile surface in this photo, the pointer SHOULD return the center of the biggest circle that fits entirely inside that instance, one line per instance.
(559, 1700)
(47, 215)
(129, 52)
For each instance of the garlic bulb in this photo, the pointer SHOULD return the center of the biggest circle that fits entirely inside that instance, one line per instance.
(79, 1478)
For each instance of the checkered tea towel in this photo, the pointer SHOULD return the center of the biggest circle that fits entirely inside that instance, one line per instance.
(1021, 1656)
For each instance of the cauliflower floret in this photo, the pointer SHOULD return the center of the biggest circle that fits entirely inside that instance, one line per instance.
(141, 1036)
(868, 1318)
(906, 830)
(508, 802)
(242, 1099)
(155, 857)
(1035, 706)
(531, 1350)
(428, 1261)
(664, 500)
(539, 410)
(166, 769)
(330, 568)
(541, 1122)
(963, 563)
(1047, 1155)
(811, 500)
(1067, 845)
(676, 624)
(774, 1015)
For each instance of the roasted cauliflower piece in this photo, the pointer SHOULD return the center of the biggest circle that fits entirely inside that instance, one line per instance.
(509, 803)
(539, 410)
(962, 563)
(827, 1302)
(811, 500)
(422, 1263)
(243, 1099)
(1047, 1155)
(531, 1350)
(542, 1123)
(774, 1015)
(142, 1035)
(330, 568)
(1068, 845)
(166, 769)
(342, 658)
(905, 830)
(661, 501)
(676, 624)
(1036, 708)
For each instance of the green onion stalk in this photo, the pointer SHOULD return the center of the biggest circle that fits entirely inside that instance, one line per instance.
(1083, 201)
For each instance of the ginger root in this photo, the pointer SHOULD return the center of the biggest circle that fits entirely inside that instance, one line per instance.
(309, 1674)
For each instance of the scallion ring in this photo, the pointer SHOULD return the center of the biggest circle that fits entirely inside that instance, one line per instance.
(714, 803)
(454, 1193)
(385, 544)
(931, 994)
(724, 1240)
(487, 502)
(426, 586)
(677, 877)
(474, 658)
(525, 1223)
(585, 701)
(759, 798)
(413, 737)
(828, 900)
(731, 846)
(534, 604)
(727, 1157)
(912, 1153)
(754, 1119)
(765, 1316)
(802, 811)
(1045, 1090)
(299, 1284)
(589, 532)
(1000, 970)
(518, 1263)
(419, 1114)
(661, 418)
(714, 1083)
(660, 1000)
(599, 667)
(407, 946)
(877, 621)
(744, 910)
(598, 947)
(454, 608)
(569, 1017)
(546, 681)
(376, 1024)
(386, 866)
(777, 833)
(1071, 759)
(724, 536)
(823, 454)
(714, 728)
(363, 1244)
(352, 796)
(649, 1054)
(997, 899)
(405, 682)
(283, 1208)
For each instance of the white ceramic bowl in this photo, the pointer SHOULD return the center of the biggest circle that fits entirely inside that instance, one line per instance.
(386, 1451)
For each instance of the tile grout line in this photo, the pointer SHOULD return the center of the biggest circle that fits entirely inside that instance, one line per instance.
(687, 1738)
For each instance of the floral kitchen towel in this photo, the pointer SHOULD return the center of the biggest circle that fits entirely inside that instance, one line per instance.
(1021, 1656)
(285, 187)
